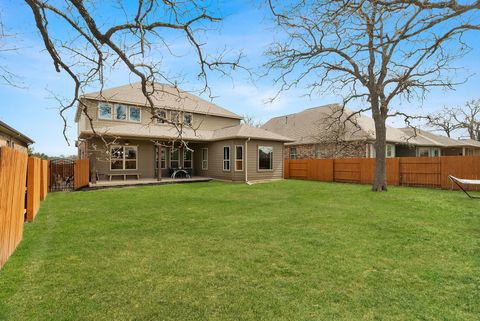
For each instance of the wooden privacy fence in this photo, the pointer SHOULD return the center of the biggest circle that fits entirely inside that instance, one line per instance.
(13, 175)
(81, 173)
(24, 183)
(405, 171)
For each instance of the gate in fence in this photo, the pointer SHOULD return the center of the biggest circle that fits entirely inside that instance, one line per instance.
(62, 174)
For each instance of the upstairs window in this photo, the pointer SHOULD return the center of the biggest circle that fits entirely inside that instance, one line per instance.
(134, 114)
(120, 112)
(104, 111)
(293, 153)
(162, 116)
(187, 119)
(265, 157)
(226, 158)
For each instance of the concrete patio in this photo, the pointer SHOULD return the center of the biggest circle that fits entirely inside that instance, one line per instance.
(145, 181)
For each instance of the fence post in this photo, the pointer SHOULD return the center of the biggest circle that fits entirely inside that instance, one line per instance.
(33, 188)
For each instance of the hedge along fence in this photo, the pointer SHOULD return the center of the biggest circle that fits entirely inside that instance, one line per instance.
(13, 175)
(405, 171)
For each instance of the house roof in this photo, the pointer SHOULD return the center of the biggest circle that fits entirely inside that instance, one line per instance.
(441, 140)
(167, 132)
(5, 128)
(311, 125)
(165, 96)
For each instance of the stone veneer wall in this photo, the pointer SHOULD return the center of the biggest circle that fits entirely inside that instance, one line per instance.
(307, 151)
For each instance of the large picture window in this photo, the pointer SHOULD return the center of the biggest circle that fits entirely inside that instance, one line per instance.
(174, 158)
(187, 158)
(239, 158)
(265, 157)
(123, 158)
(204, 158)
(120, 112)
(226, 158)
(104, 111)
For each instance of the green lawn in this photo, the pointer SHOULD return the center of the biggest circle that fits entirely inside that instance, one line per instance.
(291, 250)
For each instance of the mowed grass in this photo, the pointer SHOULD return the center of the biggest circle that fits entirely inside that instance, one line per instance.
(290, 250)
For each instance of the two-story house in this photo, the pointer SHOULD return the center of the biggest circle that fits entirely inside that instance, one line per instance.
(119, 135)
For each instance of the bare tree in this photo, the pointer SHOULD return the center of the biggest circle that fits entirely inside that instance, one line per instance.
(139, 38)
(251, 120)
(373, 51)
(7, 77)
(443, 120)
(468, 118)
(465, 119)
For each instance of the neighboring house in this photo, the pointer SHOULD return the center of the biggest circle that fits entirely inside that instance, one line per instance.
(13, 138)
(317, 134)
(448, 146)
(218, 145)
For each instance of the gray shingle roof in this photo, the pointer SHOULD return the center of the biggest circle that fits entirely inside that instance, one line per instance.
(311, 125)
(165, 96)
(440, 140)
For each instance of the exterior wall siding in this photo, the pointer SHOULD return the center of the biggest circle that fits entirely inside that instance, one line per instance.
(252, 157)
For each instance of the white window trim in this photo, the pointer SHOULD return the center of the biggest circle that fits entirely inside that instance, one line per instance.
(229, 159)
(205, 168)
(135, 121)
(239, 170)
(290, 153)
(115, 113)
(258, 160)
(111, 111)
(123, 161)
(191, 119)
(166, 158)
(394, 150)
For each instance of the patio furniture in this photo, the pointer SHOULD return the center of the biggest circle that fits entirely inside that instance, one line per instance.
(179, 172)
(460, 182)
(124, 175)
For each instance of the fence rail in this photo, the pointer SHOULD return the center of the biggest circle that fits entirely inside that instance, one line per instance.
(404, 171)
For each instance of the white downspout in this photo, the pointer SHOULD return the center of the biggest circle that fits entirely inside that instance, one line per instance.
(246, 161)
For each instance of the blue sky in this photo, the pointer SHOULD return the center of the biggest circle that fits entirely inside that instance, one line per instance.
(246, 27)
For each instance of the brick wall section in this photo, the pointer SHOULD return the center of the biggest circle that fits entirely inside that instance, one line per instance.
(307, 151)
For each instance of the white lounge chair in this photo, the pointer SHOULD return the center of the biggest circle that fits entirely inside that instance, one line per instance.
(460, 182)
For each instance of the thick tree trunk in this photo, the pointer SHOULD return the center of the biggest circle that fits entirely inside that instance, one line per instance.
(380, 180)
